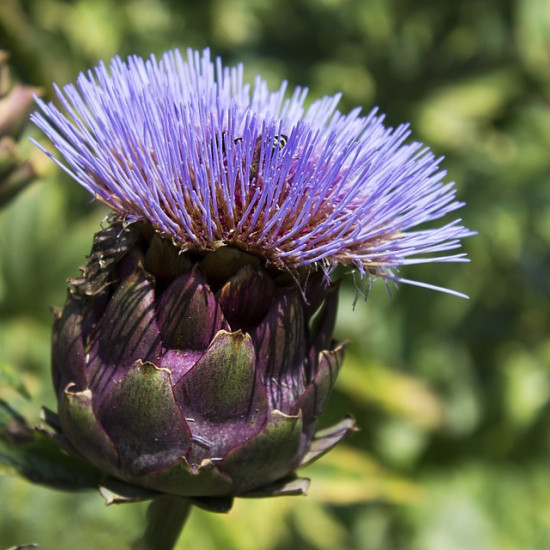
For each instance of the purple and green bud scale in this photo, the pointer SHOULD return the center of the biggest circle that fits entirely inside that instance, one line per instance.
(194, 356)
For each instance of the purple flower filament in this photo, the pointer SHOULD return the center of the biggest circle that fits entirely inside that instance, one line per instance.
(209, 161)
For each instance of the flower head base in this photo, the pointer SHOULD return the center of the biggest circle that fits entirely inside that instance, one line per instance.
(209, 161)
(194, 375)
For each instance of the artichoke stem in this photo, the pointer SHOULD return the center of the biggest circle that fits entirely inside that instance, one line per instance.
(166, 517)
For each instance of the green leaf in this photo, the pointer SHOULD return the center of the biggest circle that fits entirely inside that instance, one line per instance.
(9, 377)
(38, 457)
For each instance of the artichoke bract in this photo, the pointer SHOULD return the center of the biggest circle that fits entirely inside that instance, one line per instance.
(195, 375)
(194, 356)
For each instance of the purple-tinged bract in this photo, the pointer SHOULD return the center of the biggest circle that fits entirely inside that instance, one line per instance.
(209, 161)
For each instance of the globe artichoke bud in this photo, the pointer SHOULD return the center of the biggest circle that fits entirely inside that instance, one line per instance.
(193, 374)
(194, 356)
(16, 102)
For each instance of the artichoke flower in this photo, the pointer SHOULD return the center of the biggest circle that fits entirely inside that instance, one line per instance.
(194, 356)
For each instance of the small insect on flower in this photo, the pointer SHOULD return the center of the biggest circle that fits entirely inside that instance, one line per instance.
(195, 355)
(278, 143)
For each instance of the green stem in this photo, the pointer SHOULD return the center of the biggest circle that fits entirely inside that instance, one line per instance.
(166, 517)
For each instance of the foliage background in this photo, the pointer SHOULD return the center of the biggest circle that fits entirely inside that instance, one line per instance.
(453, 396)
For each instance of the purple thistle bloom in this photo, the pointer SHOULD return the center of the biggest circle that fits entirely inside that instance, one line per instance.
(195, 356)
(209, 161)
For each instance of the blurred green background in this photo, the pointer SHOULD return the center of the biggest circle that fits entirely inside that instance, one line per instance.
(453, 396)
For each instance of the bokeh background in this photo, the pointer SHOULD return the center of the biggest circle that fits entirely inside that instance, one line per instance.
(453, 396)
